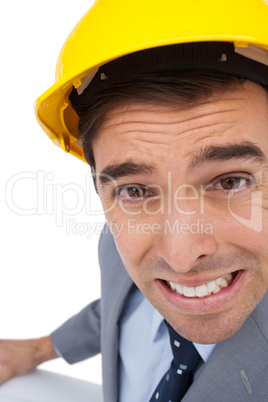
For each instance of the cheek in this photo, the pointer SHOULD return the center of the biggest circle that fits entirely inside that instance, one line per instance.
(243, 238)
(133, 245)
(241, 221)
(134, 239)
(253, 231)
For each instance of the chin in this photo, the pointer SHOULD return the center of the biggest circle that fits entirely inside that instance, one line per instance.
(207, 330)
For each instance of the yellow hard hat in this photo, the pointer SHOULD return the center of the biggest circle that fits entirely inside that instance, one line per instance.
(114, 28)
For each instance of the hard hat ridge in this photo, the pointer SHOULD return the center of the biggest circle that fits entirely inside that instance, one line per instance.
(205, 57)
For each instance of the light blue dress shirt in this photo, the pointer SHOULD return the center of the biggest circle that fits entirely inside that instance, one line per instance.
(144, 349)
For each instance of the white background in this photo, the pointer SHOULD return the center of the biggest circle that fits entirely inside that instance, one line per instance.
(47, 272)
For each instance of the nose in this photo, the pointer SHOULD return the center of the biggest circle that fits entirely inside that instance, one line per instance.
(182, 243)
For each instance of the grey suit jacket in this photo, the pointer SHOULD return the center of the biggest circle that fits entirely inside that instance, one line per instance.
(236, 371)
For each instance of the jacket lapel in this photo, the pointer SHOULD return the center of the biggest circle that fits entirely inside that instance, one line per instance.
(116, 284)
(238, 368)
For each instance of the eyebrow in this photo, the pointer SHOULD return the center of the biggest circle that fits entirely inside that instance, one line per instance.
(129, 168)
(246, 151)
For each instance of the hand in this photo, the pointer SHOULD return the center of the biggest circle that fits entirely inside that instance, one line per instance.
(18, 357)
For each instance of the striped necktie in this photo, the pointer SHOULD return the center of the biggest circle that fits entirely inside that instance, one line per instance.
(179, 377)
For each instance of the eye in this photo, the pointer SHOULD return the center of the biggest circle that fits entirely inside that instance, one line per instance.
(231, 184)
(133, 192)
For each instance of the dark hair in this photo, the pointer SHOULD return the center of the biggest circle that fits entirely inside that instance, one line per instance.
(176, 89)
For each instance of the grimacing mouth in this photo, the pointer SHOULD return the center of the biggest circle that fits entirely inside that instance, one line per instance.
(207, 289)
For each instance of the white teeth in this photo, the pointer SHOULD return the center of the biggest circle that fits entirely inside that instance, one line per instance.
(211, 286)
(179, 289)
(188, 292)
(223, 283)
(216, 290)
(202, 290)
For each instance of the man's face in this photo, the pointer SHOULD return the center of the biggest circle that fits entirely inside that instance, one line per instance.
(188, 207)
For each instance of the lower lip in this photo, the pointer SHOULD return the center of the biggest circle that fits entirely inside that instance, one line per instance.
(207, 304)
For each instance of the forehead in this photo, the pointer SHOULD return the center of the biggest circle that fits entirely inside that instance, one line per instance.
(144, 131)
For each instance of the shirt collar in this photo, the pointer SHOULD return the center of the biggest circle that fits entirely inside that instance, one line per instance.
(157, 320)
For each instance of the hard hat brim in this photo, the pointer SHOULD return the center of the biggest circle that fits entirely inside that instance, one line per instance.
(110, 30)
